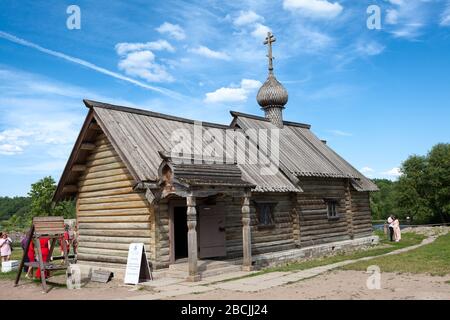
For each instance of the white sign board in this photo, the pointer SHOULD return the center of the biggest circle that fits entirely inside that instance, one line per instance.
(137, 265)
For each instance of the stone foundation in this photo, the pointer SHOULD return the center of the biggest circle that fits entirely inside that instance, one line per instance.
(308, 253)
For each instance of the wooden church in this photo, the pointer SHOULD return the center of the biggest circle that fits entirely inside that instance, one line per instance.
(130, 186)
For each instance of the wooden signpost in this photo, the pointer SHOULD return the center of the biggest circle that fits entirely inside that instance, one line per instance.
(137, 266)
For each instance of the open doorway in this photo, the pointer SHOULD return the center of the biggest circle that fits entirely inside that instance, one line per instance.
(180, 232)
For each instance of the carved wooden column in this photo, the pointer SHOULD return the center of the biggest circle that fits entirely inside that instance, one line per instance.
(192, 239)
(246, 233)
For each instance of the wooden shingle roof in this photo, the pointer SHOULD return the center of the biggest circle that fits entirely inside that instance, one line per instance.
(139, 136)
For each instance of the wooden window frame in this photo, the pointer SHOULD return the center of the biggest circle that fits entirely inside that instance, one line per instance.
(272, 206)
(332, 203)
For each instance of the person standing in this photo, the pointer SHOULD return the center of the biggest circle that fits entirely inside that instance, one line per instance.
(45, 249)
(65, 238)
(390, 221)
(397, 232)
(5, 247)
(31, 258)
(23, 244)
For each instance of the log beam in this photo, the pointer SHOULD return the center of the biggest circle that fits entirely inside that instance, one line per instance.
(192, 239)
(78, 168)
(70, 188)
(87, 146)
(94, 126)
(246, 233)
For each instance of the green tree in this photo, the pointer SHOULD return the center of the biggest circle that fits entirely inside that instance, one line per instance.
(423, 190)
(383, 202)
(41, 195)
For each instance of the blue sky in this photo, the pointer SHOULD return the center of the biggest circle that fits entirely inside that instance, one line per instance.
(376, 96)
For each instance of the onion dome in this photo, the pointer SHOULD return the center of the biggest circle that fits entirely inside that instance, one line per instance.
(272, 96)
(272, 93)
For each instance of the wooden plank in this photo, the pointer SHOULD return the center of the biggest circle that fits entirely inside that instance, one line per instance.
(88, 174)
(114, 205)
(94, 126)
(115, 198)
(69, 188)
(101, 251)
(107, 186)
(97, 155)
(103, 181)
(78, 168)
(117, 233)
(115, 212)
(108, 192)
(115, 225)
(104, 167)
(87, 146)
(101, 258)
(103, 161)
(113, 246)
(113, 239)
(104, 219)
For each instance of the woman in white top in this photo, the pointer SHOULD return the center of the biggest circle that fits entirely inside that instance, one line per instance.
(5, 247)
(397, 232)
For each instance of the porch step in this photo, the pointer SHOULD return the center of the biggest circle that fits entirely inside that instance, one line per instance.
(205, 269)
(203, 265)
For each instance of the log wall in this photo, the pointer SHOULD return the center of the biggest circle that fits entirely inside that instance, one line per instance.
(264, 239)
(110, 215)
(314, 227)
(362, 222)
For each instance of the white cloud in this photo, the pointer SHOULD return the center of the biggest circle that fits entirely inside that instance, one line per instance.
(394, 172)
(125, 47)
(445, 17)
(206, 52)
(250, 22)
(371, 48)
(233, 94)
(314, 8)
(391, 16)
(138, 60)
(366, 170)
(142, 64)
(88, 65)
(406, 19)
(173, 30)
(247, 17)
(260, 31)
(340, 133)
(12, 141)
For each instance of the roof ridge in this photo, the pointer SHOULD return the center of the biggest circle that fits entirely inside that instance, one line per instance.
(252, 116)
(97, 104)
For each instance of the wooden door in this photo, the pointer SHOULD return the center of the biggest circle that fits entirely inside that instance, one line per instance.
(212, 232)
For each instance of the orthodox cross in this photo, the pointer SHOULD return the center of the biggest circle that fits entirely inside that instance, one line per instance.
(269, 40)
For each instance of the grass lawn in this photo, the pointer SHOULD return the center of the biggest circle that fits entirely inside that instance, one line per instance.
(433, 259)
(385, 246)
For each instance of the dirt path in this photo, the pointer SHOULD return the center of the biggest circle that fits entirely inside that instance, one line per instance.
(344, 285)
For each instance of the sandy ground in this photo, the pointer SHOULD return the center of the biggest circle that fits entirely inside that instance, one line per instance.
(332, 285)
(27, 290)
(346, 285)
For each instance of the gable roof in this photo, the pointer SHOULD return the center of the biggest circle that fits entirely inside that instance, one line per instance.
(303, 154)
(139, 137)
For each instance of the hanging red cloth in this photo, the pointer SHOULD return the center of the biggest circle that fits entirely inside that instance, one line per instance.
(31, 252)
(45, 249)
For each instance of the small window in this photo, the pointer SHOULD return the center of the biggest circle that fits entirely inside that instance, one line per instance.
(264, 213)
(332, 209)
